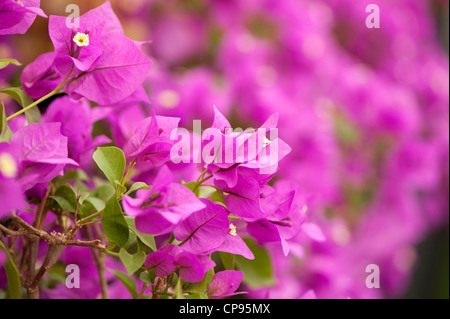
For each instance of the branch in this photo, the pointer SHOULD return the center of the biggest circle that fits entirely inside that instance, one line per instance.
(31, 230)
(99, 260)
(10, 232)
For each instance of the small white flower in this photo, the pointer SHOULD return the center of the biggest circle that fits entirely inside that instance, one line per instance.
(232, 230)
(81, 39)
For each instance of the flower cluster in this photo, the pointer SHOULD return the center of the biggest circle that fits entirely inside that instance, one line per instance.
(105, 170)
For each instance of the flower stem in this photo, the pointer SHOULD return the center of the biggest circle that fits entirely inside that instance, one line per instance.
(124, 180)
(199, 183)
(111, 253)
(84, 220)
(48, 95)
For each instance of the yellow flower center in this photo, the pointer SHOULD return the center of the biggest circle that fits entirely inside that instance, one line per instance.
(232, 230)
(8, 166)
(81, 39)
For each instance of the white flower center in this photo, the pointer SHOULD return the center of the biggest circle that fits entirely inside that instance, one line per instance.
(266, 142)
(81, 39)
(232, 230)
(8, 166)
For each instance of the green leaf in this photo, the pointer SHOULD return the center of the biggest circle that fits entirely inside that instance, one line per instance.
(132, 262)
(172, 279)
(70, 175)
(33, 115)
(113, 222)
(227, 260)
(147, 239)
(110, 245)
(120, 188)
(217, 197)
(128, 282)
(191, 186)
(13, 276)
(148, 277)
(178, 289)
(140, 245)
(200, 287)
(197, 296)
(136, 186)
(132, 239)
(5, 132)
(66, 197)
(91, 205)
(257, 272)
(6, 62)
(111, 161)
(104, 192)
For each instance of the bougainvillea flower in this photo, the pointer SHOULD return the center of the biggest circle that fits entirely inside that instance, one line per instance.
(79, 132)
(224, 284)
(171, 257)
(234, 244)
(151, 144)
(244, 200)
(284, 219)
(203, 230)
(81, 45)
(42, 153)
(107, 66)
(40, 77)
(193, 268)
(162, 261)
(16, 16)
(11, 195)
(105, 83)
(127, 114)
(209, 230)
(161, 208)
(104, 59)
(253, 153)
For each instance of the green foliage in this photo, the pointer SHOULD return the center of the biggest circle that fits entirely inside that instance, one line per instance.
(132, 262)
(257, 272)
(147, 239)
(66, 197)
(128, 282)
(114, 224)
(111, 161)
(192, 187)
(227, 260)
(14, 287)
(5, 62)
(218, 198)
(201, 286)
(5, 132)
(148, 277)
(136, 186)
(179, 289)
(33, 115)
